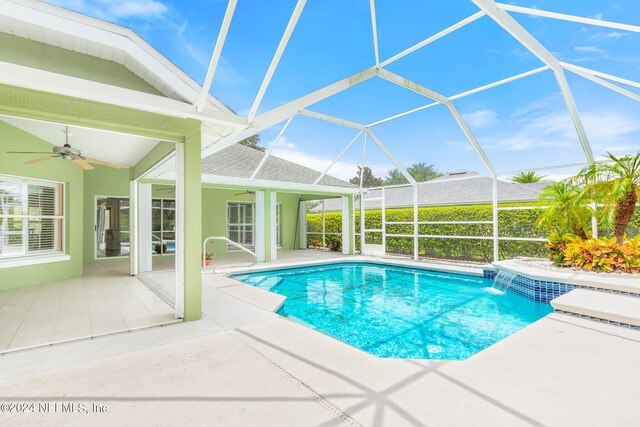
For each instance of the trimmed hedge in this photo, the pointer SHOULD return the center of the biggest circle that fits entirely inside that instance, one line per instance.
(519, 223)
(511, 223)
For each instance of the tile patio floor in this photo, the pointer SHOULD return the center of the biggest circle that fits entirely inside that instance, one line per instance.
(105, 300)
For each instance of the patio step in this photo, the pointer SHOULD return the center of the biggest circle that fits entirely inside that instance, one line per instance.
(610, 307)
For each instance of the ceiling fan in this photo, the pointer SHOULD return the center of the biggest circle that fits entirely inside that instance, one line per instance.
(66, 152)
(245, 192)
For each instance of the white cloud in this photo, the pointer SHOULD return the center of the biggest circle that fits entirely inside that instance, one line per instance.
(138, 8)
(288, 150)
(607, 35)
(481, 118)
(590, 49)
(608, 130)
(117, 9)
(284, 142)
(609, 125)
(197, 54)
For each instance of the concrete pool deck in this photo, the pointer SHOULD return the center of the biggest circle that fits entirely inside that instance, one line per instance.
(242, 365)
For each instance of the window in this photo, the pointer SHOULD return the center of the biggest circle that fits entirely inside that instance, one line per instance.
(31, 217)
(163, 223)
(112, 227)
(241, 224)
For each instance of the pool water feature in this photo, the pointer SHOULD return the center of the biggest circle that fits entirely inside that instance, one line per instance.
(503, 280)
(392, 311)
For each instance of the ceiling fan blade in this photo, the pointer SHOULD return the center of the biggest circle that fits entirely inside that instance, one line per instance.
(84, 165)
(28, 152)
(101, 162)
(41, 159)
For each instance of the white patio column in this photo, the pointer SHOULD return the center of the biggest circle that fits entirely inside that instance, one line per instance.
(144, 241)
(272, 220)
(302, 225)
(260, 232)
(496, 231)
(180, 231)
(416, 228)
(133, 228)
(594, 220)
(346, 224)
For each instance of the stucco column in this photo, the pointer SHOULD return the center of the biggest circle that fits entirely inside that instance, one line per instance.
(192, 223)
(347, 231)
(259, 237)
(143, 252)
(270, 240)
(302, 225)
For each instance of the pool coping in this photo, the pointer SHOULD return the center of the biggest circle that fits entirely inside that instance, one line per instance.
(422, 265)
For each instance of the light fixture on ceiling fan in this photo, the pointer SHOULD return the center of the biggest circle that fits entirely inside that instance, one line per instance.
(66, 152)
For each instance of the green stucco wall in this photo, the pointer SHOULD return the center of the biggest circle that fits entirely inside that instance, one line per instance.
(290, 203)
(14, 139)
(30, 53)
(214, 214)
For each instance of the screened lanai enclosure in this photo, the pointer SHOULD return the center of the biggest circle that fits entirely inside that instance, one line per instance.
(477, 87)
(548, 93)
(451, 218)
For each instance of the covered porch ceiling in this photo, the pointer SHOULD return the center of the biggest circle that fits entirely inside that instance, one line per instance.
(124, 150)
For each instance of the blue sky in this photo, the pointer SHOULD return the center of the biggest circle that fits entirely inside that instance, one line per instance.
(522, 124)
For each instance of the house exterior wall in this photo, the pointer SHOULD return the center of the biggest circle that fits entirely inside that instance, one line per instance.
(214, 215)
(14, 139)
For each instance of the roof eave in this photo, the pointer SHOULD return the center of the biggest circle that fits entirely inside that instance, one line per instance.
(181, 80)
(277, 185)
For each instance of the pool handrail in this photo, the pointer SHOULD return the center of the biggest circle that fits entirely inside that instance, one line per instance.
(229, 241)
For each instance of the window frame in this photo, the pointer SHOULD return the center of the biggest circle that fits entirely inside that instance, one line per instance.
(279, 224)
(243, 224)
(27, 257)
(162, 231)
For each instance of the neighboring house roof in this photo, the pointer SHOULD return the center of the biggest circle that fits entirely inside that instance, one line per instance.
(240, 161)
(458, 188)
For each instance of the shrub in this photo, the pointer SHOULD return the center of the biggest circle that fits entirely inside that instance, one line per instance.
(557, 244)
(604, 255)
(516, 223)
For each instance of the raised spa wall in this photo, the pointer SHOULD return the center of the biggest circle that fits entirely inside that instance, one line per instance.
(543, 290)
(534, 289)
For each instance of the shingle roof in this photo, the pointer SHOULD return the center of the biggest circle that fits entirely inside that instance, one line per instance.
(452, 189)
(240, 161)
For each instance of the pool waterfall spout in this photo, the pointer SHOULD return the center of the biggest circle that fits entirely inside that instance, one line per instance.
(503, 280)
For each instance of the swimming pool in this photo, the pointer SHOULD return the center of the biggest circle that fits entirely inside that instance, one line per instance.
(392, 311)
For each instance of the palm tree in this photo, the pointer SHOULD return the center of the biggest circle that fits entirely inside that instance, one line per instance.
(527, 177)
(567, 211)
(616, 185)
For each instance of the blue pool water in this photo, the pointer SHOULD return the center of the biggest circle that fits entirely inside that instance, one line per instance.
(392, 311)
